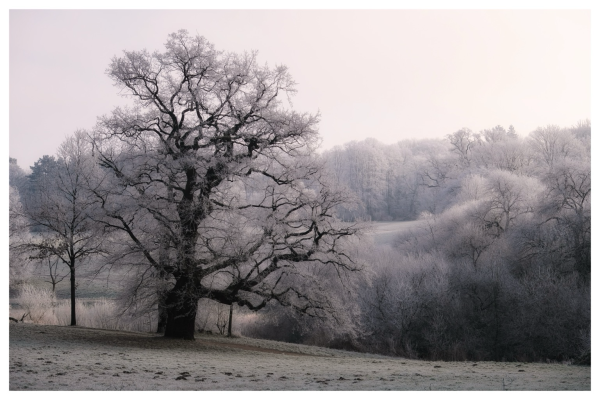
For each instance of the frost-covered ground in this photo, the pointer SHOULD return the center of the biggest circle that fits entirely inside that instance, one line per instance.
(44, 357)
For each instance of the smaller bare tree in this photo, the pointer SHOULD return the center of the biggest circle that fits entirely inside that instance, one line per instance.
(18, 235)
(63, 207)
(49, 262)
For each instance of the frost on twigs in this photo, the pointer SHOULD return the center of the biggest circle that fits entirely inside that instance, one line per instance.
(212, 186)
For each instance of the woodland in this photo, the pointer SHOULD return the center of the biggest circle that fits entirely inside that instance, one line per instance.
(209, 194)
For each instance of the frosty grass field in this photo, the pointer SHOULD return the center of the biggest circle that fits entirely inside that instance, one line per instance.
(74, 358)
(43, 357)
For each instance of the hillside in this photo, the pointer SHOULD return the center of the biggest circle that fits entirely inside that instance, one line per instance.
(384, 233)
(44, 357)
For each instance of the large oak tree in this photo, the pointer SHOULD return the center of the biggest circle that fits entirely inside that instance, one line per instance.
(213, 181)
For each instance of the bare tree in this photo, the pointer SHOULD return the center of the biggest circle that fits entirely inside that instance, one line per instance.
(16, 175)
(211, 159)
(463, 141)
(568, 205)
(50, 263)
(511, 196)
(62, 208)
(18, 233)
(552, 144)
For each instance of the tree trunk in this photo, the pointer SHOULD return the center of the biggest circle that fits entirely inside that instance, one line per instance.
(182, 300)
(73, 320)
(230, 318)
(163, 259)
(162, 312)
(182, 306)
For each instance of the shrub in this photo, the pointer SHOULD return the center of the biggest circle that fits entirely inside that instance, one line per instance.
(100, 313)
(38, 304)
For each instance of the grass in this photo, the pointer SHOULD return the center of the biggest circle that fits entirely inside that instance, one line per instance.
(73, 358)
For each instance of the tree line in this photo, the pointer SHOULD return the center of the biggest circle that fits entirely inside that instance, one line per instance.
(500, 266)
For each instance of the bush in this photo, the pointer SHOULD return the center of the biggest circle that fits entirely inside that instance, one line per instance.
(38, 303)
(101, 314)
(40, 306)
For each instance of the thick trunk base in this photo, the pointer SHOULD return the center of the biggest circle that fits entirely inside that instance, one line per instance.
(180, 326)
(181, 308)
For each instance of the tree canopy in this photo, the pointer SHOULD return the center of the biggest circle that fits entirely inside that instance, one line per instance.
(213, 180)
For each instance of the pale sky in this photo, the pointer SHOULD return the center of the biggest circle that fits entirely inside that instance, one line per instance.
(388, 74)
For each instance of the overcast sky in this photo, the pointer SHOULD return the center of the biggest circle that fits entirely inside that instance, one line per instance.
(390, 75)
